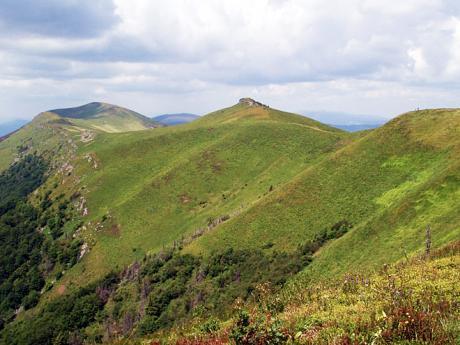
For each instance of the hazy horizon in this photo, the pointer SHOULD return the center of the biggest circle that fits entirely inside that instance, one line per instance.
(328, 117)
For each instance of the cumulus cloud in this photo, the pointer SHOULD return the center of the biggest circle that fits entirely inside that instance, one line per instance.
(364, 56)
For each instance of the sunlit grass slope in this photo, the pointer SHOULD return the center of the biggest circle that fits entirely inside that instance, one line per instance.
(51, 130)
(105, 117)
(158, 186)
(390, 183)
(37, 136)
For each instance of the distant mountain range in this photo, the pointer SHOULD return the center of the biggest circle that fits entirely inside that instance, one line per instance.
(357, 127)
(347, 121)
(11, 126)
(175, 119)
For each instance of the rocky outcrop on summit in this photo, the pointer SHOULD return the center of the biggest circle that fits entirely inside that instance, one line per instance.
(252, 103)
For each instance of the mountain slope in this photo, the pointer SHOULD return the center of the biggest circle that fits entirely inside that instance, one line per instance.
(105, 117)
(54, 129)
(149, 229)
(164, 186)
(390, 183)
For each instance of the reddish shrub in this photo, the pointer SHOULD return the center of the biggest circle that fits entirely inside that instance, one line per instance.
(423, 322)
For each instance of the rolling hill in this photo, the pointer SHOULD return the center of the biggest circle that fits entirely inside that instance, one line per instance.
(52, 130)
(105, 117)
(197, 215)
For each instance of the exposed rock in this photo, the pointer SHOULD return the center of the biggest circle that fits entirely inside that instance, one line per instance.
(66, 169)
(87, 136)
(252, 103)
(83, 250)
(81, 206)
(92, 159)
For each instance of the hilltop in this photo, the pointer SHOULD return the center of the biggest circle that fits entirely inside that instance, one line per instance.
(53, 129)
(248, 110)
(105, 117)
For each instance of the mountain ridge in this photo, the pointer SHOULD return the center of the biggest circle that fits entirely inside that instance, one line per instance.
(105, 117)
(182, 213)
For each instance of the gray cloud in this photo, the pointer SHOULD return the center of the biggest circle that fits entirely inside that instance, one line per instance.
(60, 18)
(359, 56)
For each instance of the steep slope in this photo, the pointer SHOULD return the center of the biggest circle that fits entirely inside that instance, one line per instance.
(150, 189)
(390, 183)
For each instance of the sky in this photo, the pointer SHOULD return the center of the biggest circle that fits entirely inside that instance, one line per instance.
(359, 60)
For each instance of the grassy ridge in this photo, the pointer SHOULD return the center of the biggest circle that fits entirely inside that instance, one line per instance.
(389, 183)
(279, 179)
(105, 117)
(258, 180)
(160, 185)
(37, 136)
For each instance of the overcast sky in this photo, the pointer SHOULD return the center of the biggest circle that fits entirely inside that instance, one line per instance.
(371, 57)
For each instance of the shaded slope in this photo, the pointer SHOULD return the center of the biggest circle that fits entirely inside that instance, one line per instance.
(390, 184)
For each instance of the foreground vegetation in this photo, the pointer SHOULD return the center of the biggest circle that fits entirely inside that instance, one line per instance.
(413, 302)
(162, 292)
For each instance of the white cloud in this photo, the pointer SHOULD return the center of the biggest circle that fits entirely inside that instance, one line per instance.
(364, 56)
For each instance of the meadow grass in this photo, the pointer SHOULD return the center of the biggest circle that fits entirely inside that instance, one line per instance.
(163, 184)
(390, 183)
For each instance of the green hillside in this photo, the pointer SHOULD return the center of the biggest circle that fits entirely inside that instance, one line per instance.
(169, 185)
(64, 129)
(389, 183)
(140, 232)
(105, 117)
(38, 135)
